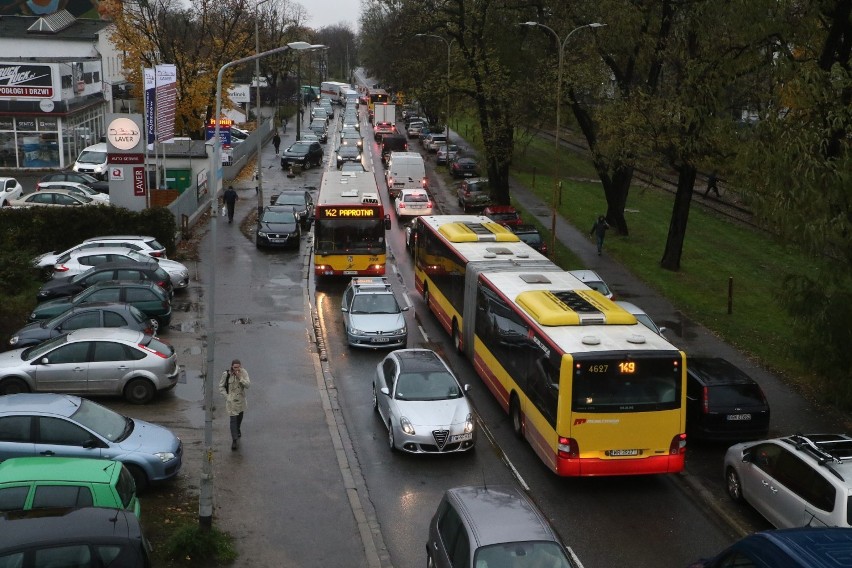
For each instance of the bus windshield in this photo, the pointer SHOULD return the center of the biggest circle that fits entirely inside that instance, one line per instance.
(342, 236)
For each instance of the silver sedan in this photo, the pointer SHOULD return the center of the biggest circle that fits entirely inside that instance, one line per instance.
(422, 404)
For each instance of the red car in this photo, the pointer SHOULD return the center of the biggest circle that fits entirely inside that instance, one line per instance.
(503, 214)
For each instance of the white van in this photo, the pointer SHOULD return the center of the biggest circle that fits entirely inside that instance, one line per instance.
(406, 170)
(93, 161)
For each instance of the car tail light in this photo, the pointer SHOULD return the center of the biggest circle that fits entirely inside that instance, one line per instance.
(149, 329)
(424, 182)
(705, 400)
(156, 253)
(162, 284)
(678, 445)
(568, 448)
(60, 268)
(429, 204)
(390, 181)
(38, 187)
(152, 351)
(402, 205)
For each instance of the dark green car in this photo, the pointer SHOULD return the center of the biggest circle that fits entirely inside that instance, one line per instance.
(147, 297)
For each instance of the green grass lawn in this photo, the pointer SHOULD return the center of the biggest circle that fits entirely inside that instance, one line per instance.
(715, 250)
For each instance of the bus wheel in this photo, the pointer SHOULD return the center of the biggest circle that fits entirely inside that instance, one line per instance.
(517, 419)
(457, 337)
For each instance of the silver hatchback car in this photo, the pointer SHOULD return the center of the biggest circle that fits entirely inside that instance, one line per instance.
(371, 315)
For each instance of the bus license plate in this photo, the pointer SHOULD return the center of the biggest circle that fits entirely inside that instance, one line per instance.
(739, 416)
(381, 339)
(461, 437)
(624, 452)
(350, 272)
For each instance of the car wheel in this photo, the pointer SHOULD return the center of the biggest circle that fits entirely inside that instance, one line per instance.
(139, 476)
(517, 419)
(155, 325)
(391, 441)
(139, 391)
(734, 486)
(375, 399)
(13, 386)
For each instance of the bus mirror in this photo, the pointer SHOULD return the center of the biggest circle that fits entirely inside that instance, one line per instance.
(387, 223)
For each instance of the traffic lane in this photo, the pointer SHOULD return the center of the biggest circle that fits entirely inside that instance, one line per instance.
(404, 489)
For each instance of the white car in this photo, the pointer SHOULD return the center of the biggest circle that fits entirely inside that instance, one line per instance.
(591, 279)
(445, 150)
(10, 189)
(641, 316)
(81, 188)
(81, 260)
(141, 243)
(53, 198)
(413, 203)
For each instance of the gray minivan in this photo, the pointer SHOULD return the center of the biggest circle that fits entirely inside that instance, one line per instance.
(491, 527)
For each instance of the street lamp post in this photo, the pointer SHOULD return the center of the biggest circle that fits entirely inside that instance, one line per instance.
(449, 43)
(257, 111)
(205, 502)
(554, 198)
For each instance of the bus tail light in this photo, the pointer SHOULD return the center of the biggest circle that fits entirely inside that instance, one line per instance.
(705, 400)
(678, 445)
(568, 448)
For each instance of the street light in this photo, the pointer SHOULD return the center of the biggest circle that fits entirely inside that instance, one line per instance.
(205, 501)
(561, 46)
(258, 134)
(449, 43)
(301, 96)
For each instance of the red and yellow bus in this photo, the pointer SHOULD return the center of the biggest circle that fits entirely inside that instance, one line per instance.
(593, 391)
(376, 96)
(349, 226)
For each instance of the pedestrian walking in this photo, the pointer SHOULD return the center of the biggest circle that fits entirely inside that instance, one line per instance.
(302, 115)
(276, 141)
(599, 231)
(233, 385)
(712, 180)
(230, 198)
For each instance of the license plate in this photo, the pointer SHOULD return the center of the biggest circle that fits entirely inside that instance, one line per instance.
(350, 272)
(461, 437)
(624, 452)
(468, 174)
(381, 339)
(739, 416)
(277, 240)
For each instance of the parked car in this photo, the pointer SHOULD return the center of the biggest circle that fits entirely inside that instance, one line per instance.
(301, 202)
(446, 153)
(591, 279)
(503, 214)
(117, 270)
(371, 315)
(794, 481)
(70, 534)
(320, 129)
(642, 317)
(462, 167)
(414, 129)
(474, 193)
(81, 188)
(79, 177)
(10, 189)
(53, 198)
(421, 403)
(492, 526)
(722, 402)
(149, 298)
(30, 423)
(144, 244)
(349, 153)
(95, 314)
(98, 361)
(433, 141)
(309, 137)
(413, 203)
(81, 260)
(278, 226)
(306, 154)
(46, 482)
(531, 235)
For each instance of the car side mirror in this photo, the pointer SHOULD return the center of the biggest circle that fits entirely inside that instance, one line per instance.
(344, 309)
(405, 308)
(385, 391)
(466, 388)
(662, 330)
(44, 361)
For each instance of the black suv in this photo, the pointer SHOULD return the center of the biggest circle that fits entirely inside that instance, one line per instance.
(301, 202)
(116, 270)
(393, 143)
(474, 193)
(530, 235)
(722, 402)
(305, 153)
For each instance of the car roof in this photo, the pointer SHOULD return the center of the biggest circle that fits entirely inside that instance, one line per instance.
(40, 402)
(145, 238)
(811, 547)
(498, 514)
(104, 250)
(501, 209)
(115, 333)
(524, 228)
(300, 192)
(370, 284)
(418, 360)
(113, 264)
(26, 529)
(586, 275)
(54, 468)
(126, 284)
(92, 306)
(716, 371)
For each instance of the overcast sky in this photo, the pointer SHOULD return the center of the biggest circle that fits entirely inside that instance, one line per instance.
(330, 12)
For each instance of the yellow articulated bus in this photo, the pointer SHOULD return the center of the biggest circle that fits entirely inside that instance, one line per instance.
(349, 226)
(593, 391)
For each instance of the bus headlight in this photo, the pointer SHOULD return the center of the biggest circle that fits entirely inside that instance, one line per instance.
(406, 426)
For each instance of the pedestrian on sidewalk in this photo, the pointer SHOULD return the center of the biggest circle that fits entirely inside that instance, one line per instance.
(712, 180)
(233, 385)
(230, 198)
(276, 141)
(599, 231)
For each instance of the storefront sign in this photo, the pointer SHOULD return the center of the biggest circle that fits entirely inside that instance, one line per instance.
(126, 159)
(26, 81)
(139, 181)
(124, 134)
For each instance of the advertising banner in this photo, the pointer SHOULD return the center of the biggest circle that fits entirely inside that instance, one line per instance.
(166, 77)
(26, 81)
(150, 106)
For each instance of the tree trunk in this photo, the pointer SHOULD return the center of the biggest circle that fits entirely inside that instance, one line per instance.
(680, 216)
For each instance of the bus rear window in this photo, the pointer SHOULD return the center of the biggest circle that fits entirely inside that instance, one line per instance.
(626, 385)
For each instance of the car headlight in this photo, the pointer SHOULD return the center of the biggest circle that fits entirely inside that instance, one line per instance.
(261, 234)
(398, 331)
(14, 340)
(405, 425)
(33, 315)
(468, 424)
(165, 456)
(295, 233)
(356, 331)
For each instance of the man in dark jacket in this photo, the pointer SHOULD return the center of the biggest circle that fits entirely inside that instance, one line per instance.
(230, 198)
(599, 231)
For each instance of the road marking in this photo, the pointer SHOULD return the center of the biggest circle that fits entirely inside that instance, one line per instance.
(493, 441)
(423, 333)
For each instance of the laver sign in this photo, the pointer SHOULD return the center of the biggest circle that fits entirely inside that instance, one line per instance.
(124, 134)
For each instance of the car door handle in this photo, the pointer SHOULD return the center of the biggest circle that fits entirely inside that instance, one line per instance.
(769, 486)
(48, 453)
(435, 545)
(79, 369)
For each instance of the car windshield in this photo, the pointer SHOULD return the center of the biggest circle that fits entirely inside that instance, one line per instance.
(290, 200)
(278, 217)
(138, 256)
(299, 147)
(533, 239)
(416, 197)
(522, 554)
(91, 157)
(105, 422)
(37, 351)
(599, 286)
(375, 304)
(76, 278)
(437, 385)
